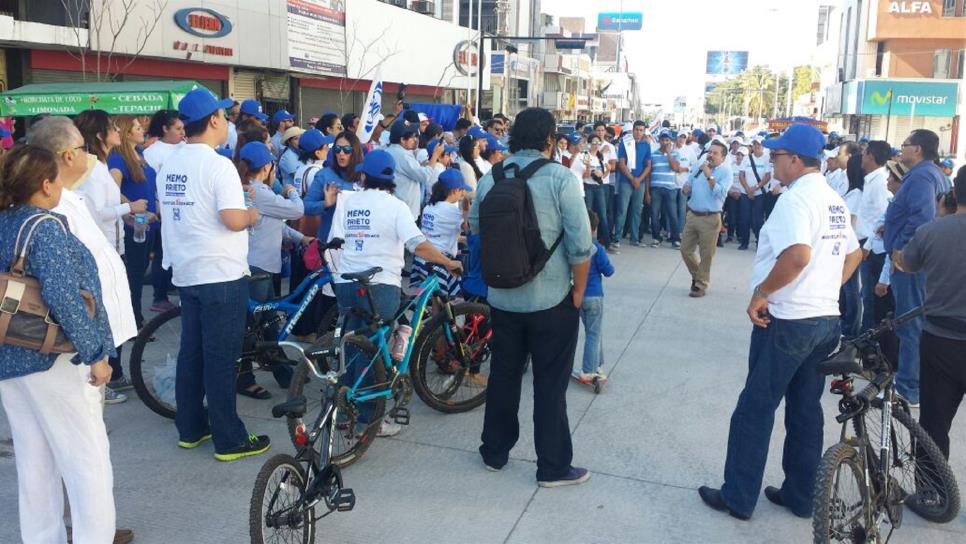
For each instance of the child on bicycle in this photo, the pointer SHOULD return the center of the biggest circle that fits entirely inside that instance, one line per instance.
(442, 222)
(592, 309)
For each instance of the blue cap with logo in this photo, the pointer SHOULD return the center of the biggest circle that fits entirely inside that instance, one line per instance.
(574, 138)
(256, 154)
(282, 115)
(453, 180)
(477, 132)
(431, 146)
(400, 130)
(312, 140)
(946, 163)
(803, 140)
(379, 164)
(495, 145)
(200, 103)
(253, 107)
(665, 134)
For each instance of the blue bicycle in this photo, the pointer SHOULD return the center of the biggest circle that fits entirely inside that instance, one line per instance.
(154, 356)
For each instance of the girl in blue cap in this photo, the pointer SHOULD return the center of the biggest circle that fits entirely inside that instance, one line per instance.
(441, 223)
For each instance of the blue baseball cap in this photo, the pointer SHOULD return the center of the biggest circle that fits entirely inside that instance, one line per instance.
(945, 163)
(282, 115)
(803, 140)
(312, 140)
(400, 130)
(477, 132)
(495, 145)
(574, 138)
(379, 164)
(864, 139)
(431, 147)
(697, 132)
(665, 134)
(453, 180)
(252, 107)
(200, 103)
(256, 154)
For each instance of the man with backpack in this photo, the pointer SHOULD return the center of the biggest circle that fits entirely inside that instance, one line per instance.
(535, 251)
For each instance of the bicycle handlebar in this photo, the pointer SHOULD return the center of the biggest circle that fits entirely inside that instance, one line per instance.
(888, 324)
(857, 404)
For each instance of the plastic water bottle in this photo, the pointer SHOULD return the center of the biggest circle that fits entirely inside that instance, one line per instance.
(400, 341)
(248, 204)
(140, 227)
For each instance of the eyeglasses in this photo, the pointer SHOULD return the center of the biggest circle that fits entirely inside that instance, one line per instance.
(344, 149)
(76, 147)
(778, 154)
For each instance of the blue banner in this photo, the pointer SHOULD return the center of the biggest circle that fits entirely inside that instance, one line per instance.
(497, 60)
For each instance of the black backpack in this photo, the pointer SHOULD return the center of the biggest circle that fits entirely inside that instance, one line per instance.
(511, 250)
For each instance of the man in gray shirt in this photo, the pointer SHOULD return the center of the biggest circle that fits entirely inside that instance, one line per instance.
(937, 249)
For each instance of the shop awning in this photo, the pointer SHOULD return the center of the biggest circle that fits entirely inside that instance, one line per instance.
(123, 97)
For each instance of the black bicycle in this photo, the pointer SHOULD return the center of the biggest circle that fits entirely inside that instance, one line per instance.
(288, 490)
(865, 480)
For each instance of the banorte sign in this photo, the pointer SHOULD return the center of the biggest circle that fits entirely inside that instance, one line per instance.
(203, 23)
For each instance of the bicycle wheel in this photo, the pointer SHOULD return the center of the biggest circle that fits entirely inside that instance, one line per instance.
(154, 360)
(276, 512)
(358, 423)
(440, 378)
(918, 466)
(329, 319)
(840, 511)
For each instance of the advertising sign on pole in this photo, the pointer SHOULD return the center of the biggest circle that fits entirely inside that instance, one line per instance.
(316, 36)
(727, 62)
(620, 21)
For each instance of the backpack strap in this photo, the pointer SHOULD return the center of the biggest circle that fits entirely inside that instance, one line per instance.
(532, 168)
(754, 168)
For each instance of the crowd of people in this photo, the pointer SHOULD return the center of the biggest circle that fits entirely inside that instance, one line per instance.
(217, 202)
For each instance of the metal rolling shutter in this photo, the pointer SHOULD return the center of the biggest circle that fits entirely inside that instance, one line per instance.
(57, 76)
(244, 85)
(315, 102)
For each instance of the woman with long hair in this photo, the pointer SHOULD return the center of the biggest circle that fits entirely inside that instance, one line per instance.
(52, 402)
(341, 174)
(469, 150)
(167, 131)
(850, 296)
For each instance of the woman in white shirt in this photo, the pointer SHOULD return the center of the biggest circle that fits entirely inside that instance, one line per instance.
(102, 193)
(441, 223)
(168, 130)
(850, 301)
(469, 153)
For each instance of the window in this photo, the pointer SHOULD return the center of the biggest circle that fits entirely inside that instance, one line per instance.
(949, 8)
(879, 56)
(960, 65)
(941, 61)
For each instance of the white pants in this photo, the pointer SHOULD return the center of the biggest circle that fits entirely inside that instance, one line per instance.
(56, 420)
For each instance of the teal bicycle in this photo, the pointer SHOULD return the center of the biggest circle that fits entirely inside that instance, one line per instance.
(448, 349)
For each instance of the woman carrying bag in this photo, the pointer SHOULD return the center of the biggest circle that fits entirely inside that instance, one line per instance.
(62, 443)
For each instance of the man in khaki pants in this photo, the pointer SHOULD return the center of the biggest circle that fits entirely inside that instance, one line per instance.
(707, 187)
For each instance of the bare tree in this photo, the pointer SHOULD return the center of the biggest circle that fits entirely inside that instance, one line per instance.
(372, 54)
(106, 21)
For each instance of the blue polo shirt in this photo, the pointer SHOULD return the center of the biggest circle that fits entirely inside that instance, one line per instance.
(705, 198)
(662, 177)
(642, 154)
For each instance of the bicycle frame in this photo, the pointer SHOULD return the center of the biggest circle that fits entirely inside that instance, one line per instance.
(295, 303)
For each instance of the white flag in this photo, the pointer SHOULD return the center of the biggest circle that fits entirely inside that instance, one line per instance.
(630, 147)
(373, 109)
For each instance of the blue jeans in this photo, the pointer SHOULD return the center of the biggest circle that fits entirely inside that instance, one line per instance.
(610, 192)
(160, 278)
(263, 290)
(664, 203)
(869, 276)
(850, 303)
(909, 292)
(751, 216)
(592, 314)
(629, 201)
(595, 196)
(386, 299)
(781, 363)
(731, 216)
(136, 257)
(682, 204)
(212, 328)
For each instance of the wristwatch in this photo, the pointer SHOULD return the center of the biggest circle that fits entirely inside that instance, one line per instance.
(759, 292)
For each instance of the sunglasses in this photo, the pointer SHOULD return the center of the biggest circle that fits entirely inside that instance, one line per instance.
(345, 149)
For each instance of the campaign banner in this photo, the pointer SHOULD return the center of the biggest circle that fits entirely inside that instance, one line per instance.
(371, 114)
(316, 36)
(726, 62)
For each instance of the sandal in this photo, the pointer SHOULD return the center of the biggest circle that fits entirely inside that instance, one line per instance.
(255, 392)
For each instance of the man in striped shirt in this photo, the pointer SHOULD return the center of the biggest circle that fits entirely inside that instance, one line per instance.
(661, 190)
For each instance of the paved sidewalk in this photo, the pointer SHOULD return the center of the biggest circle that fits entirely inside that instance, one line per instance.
(655, 434)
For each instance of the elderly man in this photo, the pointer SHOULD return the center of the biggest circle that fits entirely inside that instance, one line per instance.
(707, 186)
(807, 250)
(914, 205)
(412, 179)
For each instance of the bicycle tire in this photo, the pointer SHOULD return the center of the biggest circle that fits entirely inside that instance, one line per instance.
(825, 503)
(257, 527)
(328, 321)
(353, 446)
(136, 367)
(423, 366)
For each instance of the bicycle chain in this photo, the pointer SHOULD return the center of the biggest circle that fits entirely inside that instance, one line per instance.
(402, 392)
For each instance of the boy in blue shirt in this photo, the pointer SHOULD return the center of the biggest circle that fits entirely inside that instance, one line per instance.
(592, 309)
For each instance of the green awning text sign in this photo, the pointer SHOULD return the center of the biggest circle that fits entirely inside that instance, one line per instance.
(119, 98)
(920, 98)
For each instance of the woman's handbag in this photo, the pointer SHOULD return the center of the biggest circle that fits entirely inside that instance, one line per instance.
(25, 320)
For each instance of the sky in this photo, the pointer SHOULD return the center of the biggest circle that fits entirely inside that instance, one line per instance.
(669, 53)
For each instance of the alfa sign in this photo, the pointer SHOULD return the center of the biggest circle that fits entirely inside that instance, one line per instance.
(920, 8)
(921, 98)
(620, 21)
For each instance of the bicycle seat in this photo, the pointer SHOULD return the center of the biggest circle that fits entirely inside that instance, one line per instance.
(845, 361)
(290, 408)
(362, 277)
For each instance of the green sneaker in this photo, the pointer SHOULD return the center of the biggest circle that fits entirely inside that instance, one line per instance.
(192, 445)
(255, 445)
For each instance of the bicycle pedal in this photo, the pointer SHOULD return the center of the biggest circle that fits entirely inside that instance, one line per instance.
(401, 417)
(346, 500)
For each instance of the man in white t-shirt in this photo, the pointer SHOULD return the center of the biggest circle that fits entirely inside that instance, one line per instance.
(204, 224)
(806, 252)
(688, 157)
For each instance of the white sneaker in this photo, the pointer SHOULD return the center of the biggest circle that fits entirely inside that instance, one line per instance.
(600, 373)
(388, 428)
(586, 377)
(113, 397)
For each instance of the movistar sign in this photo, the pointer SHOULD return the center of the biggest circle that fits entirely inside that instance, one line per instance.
(919, 98)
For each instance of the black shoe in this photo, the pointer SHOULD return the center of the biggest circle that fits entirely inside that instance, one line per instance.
(743, 247)
(720, 243)
(694, 286)
(712, 497)
(774, 495)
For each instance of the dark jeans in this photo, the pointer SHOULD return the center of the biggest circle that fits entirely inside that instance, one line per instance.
(664, 205)
(610, 192)
(731, 216)
(309, 322)
(263, 290)
(160, 278)
(942, 383)
(850, 306)
(781, 363)
(212, 328)
(769, 203)
(751, 216)
(550, 338)
(136, 257)
(909, 291)
(868, 272)
(595, 196)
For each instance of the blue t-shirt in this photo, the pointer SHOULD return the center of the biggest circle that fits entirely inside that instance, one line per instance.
(136, 190)
(599, 266)
(642, 155)
(662, 176)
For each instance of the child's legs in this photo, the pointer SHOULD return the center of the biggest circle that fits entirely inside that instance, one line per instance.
(592, 314)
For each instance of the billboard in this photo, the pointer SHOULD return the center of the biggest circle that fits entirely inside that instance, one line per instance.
(316, 36)
(727, 62)
(620, 21)
(921, 98)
